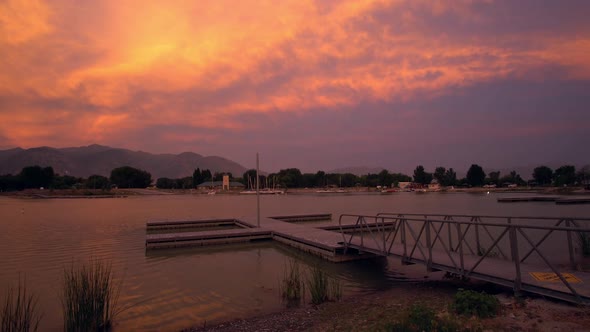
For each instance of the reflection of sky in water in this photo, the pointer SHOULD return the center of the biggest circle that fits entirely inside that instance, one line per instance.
(173, 289)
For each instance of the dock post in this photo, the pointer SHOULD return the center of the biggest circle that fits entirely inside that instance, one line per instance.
(479, 249)
(460, 244)
(570, 245)
(429, 245)
(515, 258)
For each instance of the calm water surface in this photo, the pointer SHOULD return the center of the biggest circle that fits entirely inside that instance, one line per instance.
(167, 290)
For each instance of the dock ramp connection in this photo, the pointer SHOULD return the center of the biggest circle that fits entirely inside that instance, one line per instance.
(516, 252)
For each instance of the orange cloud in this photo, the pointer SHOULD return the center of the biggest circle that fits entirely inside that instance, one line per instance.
(23, 20)
(204, 63)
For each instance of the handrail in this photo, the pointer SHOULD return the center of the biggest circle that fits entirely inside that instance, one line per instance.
(478, 215)
(430, 232)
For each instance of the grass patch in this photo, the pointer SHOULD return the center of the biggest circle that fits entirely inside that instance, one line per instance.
(89, 297)
(471, 303)
(419, 317)
(292, 287)
(322, 287)
(19, 310)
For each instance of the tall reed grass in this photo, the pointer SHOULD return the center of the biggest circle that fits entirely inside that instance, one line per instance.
(322, 287)
(292, 287)
(19, 310)
(89, 297)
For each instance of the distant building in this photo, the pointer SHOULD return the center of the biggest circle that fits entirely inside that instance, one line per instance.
(434, 185)
(226, 182)
(404, 185)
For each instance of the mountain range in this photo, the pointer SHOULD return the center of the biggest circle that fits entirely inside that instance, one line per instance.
(98, 159)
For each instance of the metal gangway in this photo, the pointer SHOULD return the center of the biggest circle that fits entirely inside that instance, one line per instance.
(540, 255)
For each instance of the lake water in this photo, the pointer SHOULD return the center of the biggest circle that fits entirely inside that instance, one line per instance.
(168, 290)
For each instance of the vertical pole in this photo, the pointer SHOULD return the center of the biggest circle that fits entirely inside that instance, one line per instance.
(515, 258)
(429, 245)
(451, 248)
(403, 236)
(479, 248)
(570, 245)
(257, 192)
(383, 229)
(460, 244)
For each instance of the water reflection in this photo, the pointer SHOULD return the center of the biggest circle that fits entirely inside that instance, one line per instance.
(167, 290)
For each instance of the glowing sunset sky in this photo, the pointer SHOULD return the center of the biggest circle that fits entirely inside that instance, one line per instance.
(314, 84)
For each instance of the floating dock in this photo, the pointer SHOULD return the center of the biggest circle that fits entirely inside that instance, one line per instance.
(305, 217)
(197, 239)
(528, 199)
(573, 200)
(321, 241)
(556, 199)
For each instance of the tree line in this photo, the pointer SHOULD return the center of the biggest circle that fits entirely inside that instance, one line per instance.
(130, 177)
(476, 177)
(36, 177)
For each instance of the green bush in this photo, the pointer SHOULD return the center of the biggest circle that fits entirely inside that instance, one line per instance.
(421, 317)
(471, 303)
(418, 317)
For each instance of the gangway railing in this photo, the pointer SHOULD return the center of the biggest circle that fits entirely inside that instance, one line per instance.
(570, 222)
(421, 238)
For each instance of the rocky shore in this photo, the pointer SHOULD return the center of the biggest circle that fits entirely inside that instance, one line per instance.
(376, 311)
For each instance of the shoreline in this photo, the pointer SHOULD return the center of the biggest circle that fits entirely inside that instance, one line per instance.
(378, 309)
(123, 193)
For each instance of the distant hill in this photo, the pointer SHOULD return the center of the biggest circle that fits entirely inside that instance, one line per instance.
(358, 171)
(97, 159)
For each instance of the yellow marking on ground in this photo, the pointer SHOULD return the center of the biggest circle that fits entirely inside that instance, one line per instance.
(552, 277)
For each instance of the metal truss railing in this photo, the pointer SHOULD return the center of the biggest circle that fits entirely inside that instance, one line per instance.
(414, 237)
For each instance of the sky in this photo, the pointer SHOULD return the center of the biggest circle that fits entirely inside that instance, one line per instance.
(312, 84)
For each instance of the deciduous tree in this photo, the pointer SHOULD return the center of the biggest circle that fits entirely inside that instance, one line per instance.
(421, 176)
(543, 175)
(129, 177)
(475, 176)
(565, 176)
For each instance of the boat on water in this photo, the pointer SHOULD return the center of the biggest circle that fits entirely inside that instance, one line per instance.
(389, 191)
(330, 191)
(248, 192)
(263, 192)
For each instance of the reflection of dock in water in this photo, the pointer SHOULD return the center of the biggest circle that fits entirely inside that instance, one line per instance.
(495, 249)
